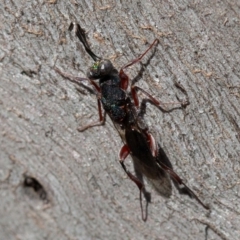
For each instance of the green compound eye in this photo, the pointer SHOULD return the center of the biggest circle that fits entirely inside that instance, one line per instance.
(95, 65)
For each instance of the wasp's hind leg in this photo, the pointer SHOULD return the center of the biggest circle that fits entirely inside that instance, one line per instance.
(181, 186)
(138, 180)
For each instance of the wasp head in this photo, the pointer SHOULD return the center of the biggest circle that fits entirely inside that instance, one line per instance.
(100, 68)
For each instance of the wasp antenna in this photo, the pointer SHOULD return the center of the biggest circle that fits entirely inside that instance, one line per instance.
(70, 28)
(80, 33)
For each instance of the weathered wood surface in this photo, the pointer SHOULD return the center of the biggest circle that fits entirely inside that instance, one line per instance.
(89, 195)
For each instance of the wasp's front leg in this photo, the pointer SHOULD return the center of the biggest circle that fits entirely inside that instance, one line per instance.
(123, 76)
(78, 81)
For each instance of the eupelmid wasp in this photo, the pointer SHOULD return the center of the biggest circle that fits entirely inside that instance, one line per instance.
(126, 112)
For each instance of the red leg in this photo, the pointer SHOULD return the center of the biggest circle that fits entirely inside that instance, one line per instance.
(154, 101)
(78, 81)
(124, 78)
(141, 56)
(179, 181)
(152, 144)
(124, 152)
(100, 122)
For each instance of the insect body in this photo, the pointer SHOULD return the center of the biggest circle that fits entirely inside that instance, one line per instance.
(126, 112)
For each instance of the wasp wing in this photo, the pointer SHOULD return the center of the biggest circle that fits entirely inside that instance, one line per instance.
(145, 163)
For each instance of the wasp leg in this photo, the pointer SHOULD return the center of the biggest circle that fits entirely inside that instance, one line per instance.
(141, 56)
(147, 195)
(78, 80)
(162, 106)
(123, 76)
(152, 144)
(124, 152)
(178, 182)
(100, 122)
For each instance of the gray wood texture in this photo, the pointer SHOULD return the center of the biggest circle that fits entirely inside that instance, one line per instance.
(89, 196)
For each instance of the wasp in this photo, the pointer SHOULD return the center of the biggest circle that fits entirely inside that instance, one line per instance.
(126, 112)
